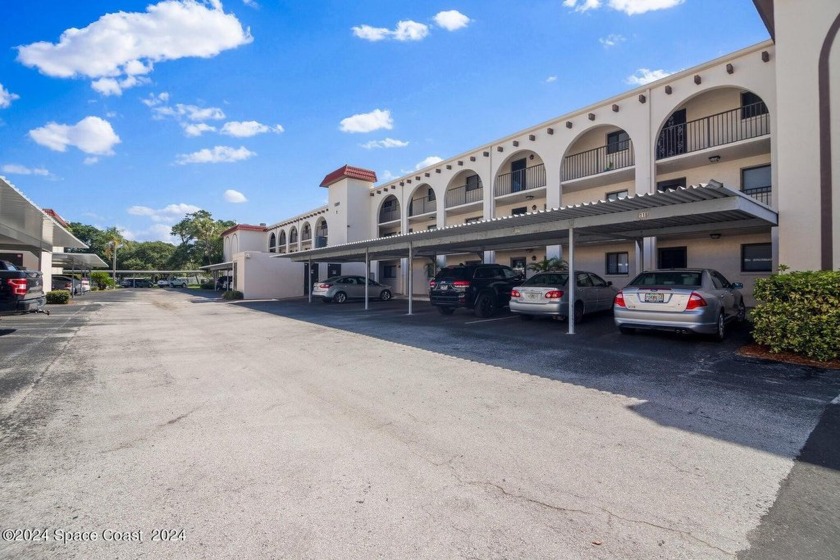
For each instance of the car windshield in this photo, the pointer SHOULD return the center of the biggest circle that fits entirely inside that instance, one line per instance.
(547, 280)
(668, 278)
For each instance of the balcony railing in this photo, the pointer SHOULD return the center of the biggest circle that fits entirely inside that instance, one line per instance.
(422, 205)
(320, 241)
(520, 180)
(761, 194)
(464, 195)
(599, 160)
(389, 215)
(743, 123)
(306, 235)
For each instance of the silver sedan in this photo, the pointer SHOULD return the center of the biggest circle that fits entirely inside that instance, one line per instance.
(547, 294)
(698, 300)
(341, 288)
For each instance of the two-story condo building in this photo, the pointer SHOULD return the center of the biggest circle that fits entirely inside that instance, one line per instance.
(758, 121)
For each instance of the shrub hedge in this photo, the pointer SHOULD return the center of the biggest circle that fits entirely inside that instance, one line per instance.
(799, 312)
(58, 296)
(233, 294)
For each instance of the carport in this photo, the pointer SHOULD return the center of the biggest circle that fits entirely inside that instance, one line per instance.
(708, 207)
(25, 227)
(78, 262)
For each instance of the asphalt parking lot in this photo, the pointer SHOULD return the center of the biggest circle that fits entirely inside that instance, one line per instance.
(292, 429)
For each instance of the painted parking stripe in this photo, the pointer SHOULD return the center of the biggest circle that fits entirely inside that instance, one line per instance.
(836, 400)
(488, 320)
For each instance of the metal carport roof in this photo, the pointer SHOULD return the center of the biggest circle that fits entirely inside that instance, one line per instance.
(706, 207)
(24, 226)
(78, 260)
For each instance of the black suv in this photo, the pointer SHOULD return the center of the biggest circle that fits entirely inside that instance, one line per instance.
(485, 288)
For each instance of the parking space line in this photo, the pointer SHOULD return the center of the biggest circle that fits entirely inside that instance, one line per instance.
(488, 320)
(836, 400)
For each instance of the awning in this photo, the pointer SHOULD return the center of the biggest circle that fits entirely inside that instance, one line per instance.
(78, 260)
(707, 207)
(25, 227)
(218, 267)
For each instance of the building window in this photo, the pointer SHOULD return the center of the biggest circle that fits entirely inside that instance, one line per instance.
(333, 269)
(670, 184)
(272, 243)
(757, 257)
(617, 195)
(617, 141)
(389, 271)
(473, 182)
(431, 227)
(472, 220)
(752, 105)
(431, 196)
(518, 264)
(519, 211)
(672, 257)
(756, 182)
(618, 263)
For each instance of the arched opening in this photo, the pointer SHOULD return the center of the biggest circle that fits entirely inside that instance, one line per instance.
(321, 233)
(293, 239)
(272, 243)
(601, 149)
(281, 242)
(523, 171)
(390, 210)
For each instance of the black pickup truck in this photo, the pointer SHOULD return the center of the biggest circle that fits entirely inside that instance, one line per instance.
(21, 291)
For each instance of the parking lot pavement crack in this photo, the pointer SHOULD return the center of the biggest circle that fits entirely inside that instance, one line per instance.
(681, 533)
(528, 499)
(179, 418)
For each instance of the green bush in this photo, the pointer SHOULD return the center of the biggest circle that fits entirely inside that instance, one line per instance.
(101, 280)
(58, 296)
(233, 294)
(799, 312)
(208, 285)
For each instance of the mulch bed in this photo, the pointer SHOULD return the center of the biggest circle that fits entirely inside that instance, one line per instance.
(764, 353)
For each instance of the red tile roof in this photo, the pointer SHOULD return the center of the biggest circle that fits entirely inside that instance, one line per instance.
(244, 227)
(54, 215)
(349, 172)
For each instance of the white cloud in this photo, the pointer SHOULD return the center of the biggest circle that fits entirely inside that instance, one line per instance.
(156, 100)
(251, 3)
(91, 135)
(629, 7)
(90, 160)
(197, 129)
(404, 31)
(6, 97)
(431, 160)
(219, 154)
(386, 143)
(611, 40)
(120, 46)
(15, 169)
(245, 129)
(169, 214)
(645, 76)
(386, 176)
(368, 122)
(235, 197)
(551, 79)
(452, 20)
(189, 112)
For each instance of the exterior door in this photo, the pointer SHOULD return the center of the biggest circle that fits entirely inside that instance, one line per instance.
(517, 175)
(672, 141)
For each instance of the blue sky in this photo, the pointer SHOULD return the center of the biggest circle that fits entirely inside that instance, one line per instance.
(132, 113)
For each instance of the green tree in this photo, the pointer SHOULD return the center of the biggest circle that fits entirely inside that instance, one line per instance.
(204, 234)
(548, 265)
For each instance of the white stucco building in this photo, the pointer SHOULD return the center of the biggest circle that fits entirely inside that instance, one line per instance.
(759, 121)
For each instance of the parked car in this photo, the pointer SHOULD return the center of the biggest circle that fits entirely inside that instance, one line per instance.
(84, 284)
(547, 294)
(136, 283)
(178, 282)
(163, 283)
(20, 290)
(484, 288)
(72, 285)
(224, 282)
(698, 300)
(341, 288)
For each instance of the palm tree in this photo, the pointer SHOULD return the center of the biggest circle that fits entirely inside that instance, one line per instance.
(549, 264)
(113, 241)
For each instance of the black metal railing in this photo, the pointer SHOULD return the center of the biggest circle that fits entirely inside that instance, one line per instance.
(617, 155)
(389, 214)
(422, 205)
(293, 238)
(320, 241)
(306, 235)
(743, 123)
(464, 195)
(761, 194)
(520, 180)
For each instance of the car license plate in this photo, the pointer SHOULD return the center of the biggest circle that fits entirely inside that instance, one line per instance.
(654, 298)
(532, 296)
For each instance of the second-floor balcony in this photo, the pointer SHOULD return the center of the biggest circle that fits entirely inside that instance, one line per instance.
(389, 214)
(611, 157)
(422, 205)
(466, 194)
(520, 180)
(736, 125)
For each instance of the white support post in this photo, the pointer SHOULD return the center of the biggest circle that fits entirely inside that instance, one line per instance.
(410, 277)
(367, 278)
(309, 278)
(572, 280)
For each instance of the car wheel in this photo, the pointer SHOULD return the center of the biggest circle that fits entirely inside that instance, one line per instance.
(485, 305)
(525, 317)
(385, 295)
(446, 310)
(578, 311)
(626, 330)
(340, 297)
(720, 334)
(742, 312)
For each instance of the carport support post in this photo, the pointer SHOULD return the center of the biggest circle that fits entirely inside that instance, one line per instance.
(367, 278)
(410, 277)
(309, 278)
(572, 280)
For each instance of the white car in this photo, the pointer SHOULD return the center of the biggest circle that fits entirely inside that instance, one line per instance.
(163, 283)
(178, 283)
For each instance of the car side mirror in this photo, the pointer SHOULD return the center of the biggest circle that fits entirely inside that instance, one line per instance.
(737, 285)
